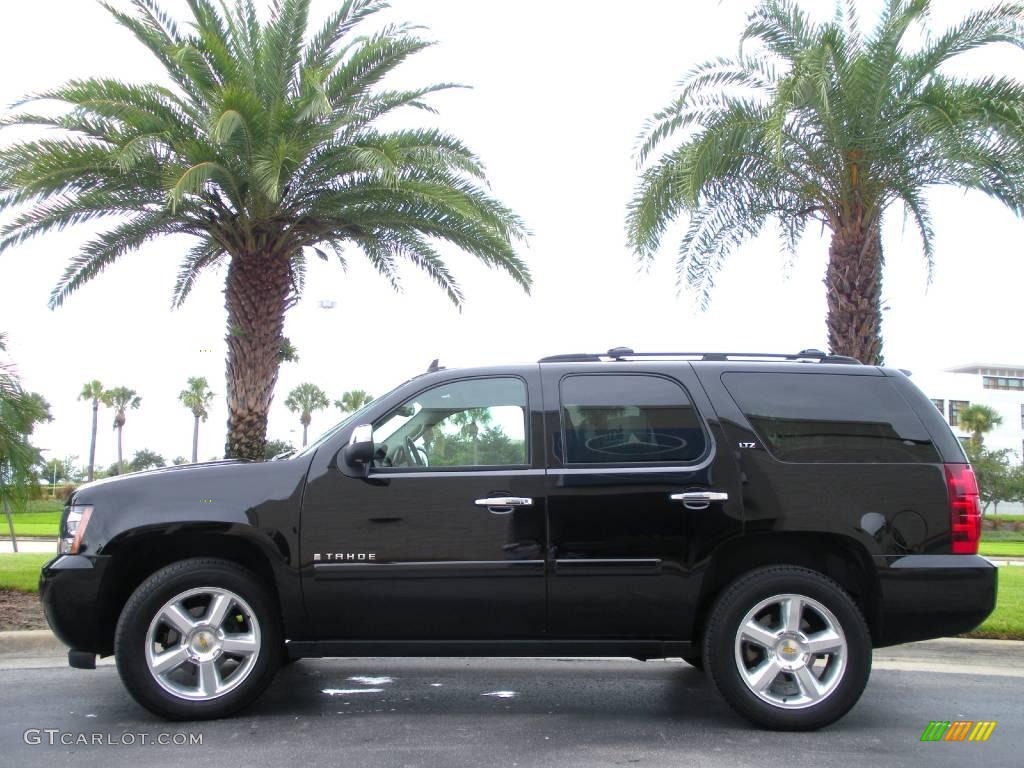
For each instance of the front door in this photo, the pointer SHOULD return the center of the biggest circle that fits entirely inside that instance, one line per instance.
(626, 548)
(445, 539)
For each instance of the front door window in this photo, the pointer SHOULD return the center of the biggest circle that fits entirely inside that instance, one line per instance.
(463, 424)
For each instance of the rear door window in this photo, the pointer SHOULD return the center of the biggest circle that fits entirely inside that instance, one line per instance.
(629, 419)
(817, 417)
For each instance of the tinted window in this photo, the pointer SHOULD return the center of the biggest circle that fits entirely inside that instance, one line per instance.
(477, 422)
(812, 417)
(610, 419)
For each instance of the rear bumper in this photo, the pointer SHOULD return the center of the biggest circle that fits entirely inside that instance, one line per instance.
(69, 587)
(927, 596)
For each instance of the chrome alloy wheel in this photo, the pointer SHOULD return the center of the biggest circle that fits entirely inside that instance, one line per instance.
(791, 651)
(202, 643)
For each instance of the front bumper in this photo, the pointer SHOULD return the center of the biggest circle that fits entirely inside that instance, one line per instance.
(927, 596)
(70, 589)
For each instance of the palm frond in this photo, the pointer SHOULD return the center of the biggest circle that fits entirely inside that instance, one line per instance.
(203, 254)
(106, 248)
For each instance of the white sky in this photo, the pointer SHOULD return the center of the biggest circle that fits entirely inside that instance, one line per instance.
(560, 92)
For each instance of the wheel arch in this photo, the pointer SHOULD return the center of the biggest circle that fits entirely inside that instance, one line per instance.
(137, 555)
(839, 557)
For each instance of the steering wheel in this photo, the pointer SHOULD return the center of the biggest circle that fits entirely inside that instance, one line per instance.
(417, 455)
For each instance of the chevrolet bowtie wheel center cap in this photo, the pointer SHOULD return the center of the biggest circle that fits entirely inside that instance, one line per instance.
(791, 652)
(204, 643)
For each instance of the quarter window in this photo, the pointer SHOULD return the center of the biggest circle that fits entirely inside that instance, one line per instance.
(470, 423)
(811, 417)
(627, 419)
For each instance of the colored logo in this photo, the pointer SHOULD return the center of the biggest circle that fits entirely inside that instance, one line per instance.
(958, 730)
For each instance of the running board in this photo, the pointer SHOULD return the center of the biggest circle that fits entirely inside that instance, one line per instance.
(635, 649)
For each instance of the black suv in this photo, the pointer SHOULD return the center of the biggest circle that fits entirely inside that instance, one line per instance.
(771, 518)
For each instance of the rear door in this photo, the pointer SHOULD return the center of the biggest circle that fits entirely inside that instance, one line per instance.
(625, 442)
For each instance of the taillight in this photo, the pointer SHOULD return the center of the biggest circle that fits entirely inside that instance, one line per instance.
(964, 508)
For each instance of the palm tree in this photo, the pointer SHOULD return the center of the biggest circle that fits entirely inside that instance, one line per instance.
(352, 400)
(262, 147)
(822, 124)
(303, 400)
(469, 422)
(978, 420)
(92, 390)
(196, 397)
(120, 399)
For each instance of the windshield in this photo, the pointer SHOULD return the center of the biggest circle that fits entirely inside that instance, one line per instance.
(351, 418)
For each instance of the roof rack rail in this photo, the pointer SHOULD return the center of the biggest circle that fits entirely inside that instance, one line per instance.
(625, 353)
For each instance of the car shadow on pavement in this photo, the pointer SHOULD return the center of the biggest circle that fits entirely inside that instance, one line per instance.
(461, 686)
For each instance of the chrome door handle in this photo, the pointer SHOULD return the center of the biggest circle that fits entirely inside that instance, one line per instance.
(504, 501)
(700, 499)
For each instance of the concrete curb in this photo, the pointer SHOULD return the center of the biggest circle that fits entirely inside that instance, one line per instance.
(30, 642)
(45, 539)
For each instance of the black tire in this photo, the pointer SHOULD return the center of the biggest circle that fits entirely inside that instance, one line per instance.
(131, 638)
(720, 654)
(695, 661)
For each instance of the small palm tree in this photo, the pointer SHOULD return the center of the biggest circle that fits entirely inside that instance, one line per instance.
(20, 412)
(303, 400)
(120, 399)
(352, 400)
(92, 391)
(979, 420)
(469, 422)
(196, 397)
(822, 124)
(264, 148)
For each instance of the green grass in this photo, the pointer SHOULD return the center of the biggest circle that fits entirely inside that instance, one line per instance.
(46, 505)
(1007, 621)
(42, 518)
(1003, 534)
(21, 571)
(32, 524)
(1006, 518)
(1002, 548)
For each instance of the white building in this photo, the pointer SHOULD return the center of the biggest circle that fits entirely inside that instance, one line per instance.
(998, 386)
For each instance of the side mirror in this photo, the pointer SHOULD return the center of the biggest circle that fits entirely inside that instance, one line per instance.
(358, 454)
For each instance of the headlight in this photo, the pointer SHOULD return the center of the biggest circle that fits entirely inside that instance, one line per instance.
(74, 526)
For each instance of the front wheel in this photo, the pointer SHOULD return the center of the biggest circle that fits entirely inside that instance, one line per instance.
(788, 648)
(198, 639)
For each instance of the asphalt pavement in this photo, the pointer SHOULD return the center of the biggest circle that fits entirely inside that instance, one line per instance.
(514, 712)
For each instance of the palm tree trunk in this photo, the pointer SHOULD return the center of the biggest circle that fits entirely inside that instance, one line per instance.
(120, 459)
(258, 293)
(305, 430)
(195, 441)
(853, 280)
(92, 441)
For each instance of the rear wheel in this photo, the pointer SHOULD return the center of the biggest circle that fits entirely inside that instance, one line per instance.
(788, 648)
(198, 639)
